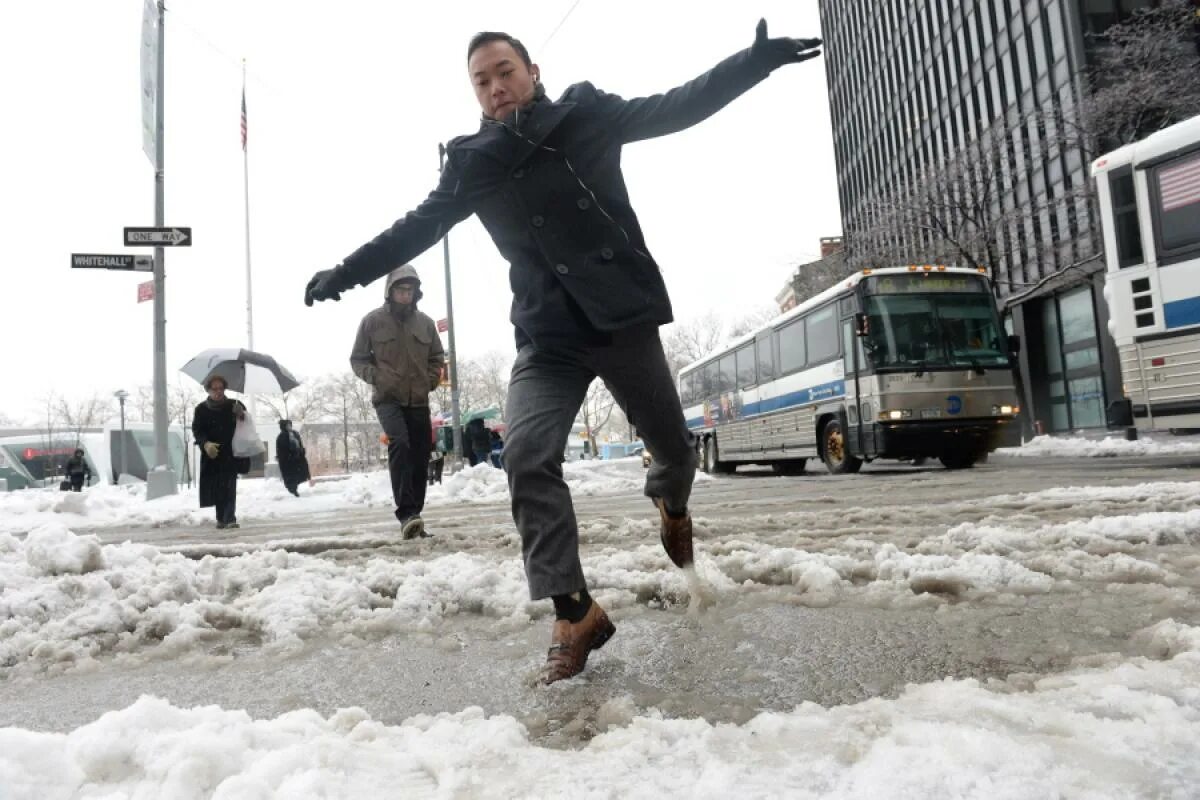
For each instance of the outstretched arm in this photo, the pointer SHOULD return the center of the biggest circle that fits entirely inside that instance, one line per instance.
(699, 99)
(413, 234)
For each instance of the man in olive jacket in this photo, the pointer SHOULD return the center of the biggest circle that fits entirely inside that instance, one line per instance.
(544, 177)
(399, 352)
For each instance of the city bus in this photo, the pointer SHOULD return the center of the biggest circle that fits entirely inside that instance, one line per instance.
(897, 363)
(1149, 195)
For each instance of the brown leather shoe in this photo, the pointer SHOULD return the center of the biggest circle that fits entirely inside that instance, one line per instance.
(676, 535)
(570, 644)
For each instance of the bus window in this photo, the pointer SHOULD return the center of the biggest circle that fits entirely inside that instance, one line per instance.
(791, 347)
(746, 372)
(728, 374)
(766, 359)
(1125, 218)
(709, 385)
(822, 335)
(1177, 205)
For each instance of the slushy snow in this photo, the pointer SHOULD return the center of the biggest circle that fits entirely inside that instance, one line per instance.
(1121, 729)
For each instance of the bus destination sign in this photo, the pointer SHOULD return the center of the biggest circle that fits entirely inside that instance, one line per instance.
(923, 283)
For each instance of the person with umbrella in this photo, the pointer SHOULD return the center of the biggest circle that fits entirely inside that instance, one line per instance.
(213, 424)
(545, 179)
(292, 458)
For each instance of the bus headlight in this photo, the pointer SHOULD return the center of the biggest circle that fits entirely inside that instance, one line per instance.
(1005, 411)
(894, 414)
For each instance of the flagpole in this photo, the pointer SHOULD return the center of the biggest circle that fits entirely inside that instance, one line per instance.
(246, 185)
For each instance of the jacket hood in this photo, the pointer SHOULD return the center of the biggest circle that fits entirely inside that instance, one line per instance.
(401, 273)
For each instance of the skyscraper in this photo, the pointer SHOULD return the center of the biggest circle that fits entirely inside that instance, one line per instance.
(912, 84)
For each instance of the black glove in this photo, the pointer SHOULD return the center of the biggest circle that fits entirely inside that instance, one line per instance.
(784, 50)
(327, 284)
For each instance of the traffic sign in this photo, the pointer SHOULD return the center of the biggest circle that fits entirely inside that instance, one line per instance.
(158, 237)
(124, 262)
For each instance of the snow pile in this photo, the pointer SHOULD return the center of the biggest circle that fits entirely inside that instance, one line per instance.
(1124, 729)
(65, 599)
(107, 506)
(1109, 447)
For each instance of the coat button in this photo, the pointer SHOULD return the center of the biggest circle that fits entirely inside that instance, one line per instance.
(519, 173)
(583, 203)
(606, 253)
(561, 269)
(538, 220)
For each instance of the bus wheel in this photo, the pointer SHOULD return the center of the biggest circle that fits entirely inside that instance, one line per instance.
(712, 459)
(960, 459)
(837, 459)
(794, 466)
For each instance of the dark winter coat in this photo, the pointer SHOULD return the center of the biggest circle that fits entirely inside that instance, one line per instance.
(78, 466)
(216, 425)
(398, 350)
(292, 457)
(547, 184)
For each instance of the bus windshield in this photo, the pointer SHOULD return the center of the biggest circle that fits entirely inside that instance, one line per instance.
(933, 330)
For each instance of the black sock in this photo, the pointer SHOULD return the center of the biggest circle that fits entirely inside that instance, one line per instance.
(572, 607)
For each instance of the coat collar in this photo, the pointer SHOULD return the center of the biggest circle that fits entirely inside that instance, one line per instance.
(513, 145)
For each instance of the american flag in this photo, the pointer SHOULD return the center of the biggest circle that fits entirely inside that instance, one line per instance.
(243, 118)
(1180, 185)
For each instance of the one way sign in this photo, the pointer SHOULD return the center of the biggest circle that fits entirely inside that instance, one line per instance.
(158, 237)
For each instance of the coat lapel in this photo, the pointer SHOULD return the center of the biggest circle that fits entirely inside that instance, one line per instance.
(512, 148)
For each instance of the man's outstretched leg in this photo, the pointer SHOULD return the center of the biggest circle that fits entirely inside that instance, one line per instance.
(544, 396)
(636, 373)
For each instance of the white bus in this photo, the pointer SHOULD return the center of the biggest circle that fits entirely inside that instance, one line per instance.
(1149, 194)
(905, 363)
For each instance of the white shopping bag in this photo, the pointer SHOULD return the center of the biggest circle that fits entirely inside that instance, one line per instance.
(245, 439)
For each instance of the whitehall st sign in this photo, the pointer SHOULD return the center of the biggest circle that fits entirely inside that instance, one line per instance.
(158, 237)
(124, 262)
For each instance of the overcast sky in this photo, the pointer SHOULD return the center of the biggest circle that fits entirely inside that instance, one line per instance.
(346, 105)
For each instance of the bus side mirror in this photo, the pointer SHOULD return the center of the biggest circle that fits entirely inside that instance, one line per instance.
(1014, 345)
(862, 324)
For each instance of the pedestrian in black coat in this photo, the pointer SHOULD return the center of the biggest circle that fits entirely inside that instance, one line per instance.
(213, 423)
(78, 471)
(545, 179)
(292, 458)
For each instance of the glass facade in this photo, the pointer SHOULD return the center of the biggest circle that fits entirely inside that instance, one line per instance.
(913, 82)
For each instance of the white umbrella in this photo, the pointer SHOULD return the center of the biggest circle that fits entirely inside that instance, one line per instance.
(243, 371)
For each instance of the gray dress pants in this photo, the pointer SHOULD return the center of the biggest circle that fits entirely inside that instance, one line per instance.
(546, 390)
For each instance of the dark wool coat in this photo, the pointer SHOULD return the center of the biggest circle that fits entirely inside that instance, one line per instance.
(292, 458)
(546, 182)
(209, 425)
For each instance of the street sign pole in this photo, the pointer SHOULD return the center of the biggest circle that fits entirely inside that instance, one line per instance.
(454, 410)
(161, 480)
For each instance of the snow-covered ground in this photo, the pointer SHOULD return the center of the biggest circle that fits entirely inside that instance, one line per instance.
(1107, 447)
(1121, 719)
(1120, 728)
(108, 506)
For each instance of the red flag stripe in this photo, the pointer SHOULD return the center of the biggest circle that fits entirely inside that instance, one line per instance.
(243, 118)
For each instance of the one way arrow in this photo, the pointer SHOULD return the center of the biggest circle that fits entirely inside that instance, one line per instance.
(165, 237)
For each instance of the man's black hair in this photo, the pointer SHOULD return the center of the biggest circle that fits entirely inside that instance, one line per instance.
(487, 37)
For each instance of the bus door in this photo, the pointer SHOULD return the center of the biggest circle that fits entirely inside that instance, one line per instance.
(857, 402)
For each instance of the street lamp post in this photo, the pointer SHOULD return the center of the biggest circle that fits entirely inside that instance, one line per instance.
(121, 394)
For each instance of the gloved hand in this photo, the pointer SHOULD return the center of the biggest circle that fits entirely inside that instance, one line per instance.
(211, 449)
(327, 284)
(783, 50)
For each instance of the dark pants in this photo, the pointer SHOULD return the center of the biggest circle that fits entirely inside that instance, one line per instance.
(483, 457)
(435, 469)
(77, 483)
(225, 497)
(410, 435)
(544, 395)
(291, 485)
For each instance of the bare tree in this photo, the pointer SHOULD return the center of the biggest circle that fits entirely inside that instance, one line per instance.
(596, 411)
(140, 405)
(350, 401)
(752, 320)
(685, 342)
(814, 277)
(77, 415)
(1143, 75)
